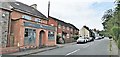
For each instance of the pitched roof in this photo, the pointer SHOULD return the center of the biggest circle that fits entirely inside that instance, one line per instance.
(5, 6)
(27, 9)
(64, 23)
(73, 26)
(59, 21)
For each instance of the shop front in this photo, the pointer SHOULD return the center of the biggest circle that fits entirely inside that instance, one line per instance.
(41, 35)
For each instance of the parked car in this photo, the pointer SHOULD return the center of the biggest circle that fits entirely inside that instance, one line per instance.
(90, 39)
(98, 37)
(102, 37)
(81, 40)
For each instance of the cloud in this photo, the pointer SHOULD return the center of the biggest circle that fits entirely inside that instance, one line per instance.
(77, 12)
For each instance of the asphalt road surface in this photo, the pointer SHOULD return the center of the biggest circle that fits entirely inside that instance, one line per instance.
(96, 47)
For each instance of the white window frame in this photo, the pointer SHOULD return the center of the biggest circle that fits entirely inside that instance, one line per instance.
(67, 28)
(37, 20)
(26, 17)
(59, 26)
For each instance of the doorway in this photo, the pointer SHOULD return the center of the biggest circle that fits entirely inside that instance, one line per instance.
(41, 36)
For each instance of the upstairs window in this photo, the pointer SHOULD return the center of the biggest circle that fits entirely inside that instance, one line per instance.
(37, 20)
(26, 17)
(63, 27)
(71, 29)
(52, 24)
(59, 26)
(67, 28)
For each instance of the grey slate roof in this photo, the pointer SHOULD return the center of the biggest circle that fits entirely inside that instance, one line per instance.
(28, 9)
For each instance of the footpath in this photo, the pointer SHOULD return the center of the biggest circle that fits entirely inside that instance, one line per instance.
(28, 52)
(114, 48)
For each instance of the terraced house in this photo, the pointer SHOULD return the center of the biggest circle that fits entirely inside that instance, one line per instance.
(65, 30)
(28, 28)
(24, 27)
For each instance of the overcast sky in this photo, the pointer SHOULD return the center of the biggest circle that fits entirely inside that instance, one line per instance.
(76, 12)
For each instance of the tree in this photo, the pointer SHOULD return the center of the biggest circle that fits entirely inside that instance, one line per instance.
(111, 22)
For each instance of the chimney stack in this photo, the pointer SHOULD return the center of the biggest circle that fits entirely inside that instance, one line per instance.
(34, 6)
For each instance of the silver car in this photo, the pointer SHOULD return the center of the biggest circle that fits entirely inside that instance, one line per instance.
(81, 40)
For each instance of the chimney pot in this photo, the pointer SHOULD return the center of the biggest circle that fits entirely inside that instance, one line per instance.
(34, 6)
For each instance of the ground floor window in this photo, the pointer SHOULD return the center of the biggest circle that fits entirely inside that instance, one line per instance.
(51, 35)
(68, 36)
(30, 36)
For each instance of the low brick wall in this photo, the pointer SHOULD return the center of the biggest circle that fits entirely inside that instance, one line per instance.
(8, 50)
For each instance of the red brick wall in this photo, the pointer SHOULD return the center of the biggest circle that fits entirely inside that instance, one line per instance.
(52, 21)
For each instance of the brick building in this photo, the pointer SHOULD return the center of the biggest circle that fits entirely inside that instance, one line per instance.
(65, 30)
(28, 28)
(24, 27)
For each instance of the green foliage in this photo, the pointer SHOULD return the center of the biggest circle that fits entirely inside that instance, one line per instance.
(118, 43)
(75, 37)
(111, 23)
(115, 32)
(58, 36)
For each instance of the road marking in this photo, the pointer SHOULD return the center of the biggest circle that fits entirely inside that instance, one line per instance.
(86, 46)
(72, 52)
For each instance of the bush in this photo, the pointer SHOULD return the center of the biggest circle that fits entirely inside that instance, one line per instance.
(75, 37)
(60, 40)
(115, 32)
(118, 43)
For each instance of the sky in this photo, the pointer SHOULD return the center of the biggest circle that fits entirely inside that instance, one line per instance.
(76, 12)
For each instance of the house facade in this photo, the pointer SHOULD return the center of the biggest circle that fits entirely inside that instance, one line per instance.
(28, 28)
(85, 32)
(65, 30)
(32, 27)
(24, 27)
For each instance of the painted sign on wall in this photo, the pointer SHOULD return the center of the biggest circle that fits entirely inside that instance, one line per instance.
(29, 24)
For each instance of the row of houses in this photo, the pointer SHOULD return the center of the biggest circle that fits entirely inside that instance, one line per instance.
(87, 32)
(23, 27)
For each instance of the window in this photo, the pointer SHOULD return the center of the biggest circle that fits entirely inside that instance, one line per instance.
(71, 29)
(30, 36)
(67, 35)
(52, 24)
(37, 20)
(59, 26)
(63, 27)
(67, 28)
(51, 35)
(26, 17)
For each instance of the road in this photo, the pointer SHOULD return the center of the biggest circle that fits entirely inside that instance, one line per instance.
(97, 47)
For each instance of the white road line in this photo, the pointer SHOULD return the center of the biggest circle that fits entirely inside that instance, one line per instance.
(86, 46)
(72, 52)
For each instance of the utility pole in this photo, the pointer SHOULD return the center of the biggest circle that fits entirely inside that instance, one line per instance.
(48, 9)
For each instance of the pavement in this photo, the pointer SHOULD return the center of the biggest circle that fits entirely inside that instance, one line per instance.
(28, 52)
(97, 48)
(119, 52)
(114, 48)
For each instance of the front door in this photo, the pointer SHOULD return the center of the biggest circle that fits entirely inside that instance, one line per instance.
(40, 38)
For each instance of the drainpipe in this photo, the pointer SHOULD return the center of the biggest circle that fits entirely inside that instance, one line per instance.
(9, 30)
